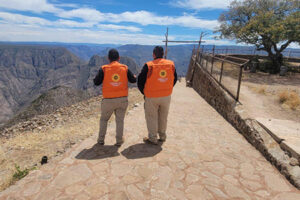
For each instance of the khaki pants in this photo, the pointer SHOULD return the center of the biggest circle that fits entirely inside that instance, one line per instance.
(108, 107)
(156, 113)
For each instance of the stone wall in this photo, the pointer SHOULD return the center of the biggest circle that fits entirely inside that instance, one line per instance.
(235, 114)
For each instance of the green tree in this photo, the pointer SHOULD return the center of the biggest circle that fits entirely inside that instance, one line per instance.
(270, 25)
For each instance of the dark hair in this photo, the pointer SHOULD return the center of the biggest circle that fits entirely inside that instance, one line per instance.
(158, 51)
(113, 55)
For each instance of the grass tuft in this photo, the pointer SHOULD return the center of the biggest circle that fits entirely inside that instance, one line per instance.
(19, 174)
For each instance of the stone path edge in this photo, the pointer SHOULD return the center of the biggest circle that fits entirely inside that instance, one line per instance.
(235, 114)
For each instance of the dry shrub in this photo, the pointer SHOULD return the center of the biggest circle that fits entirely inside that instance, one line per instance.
(291, 99)
(283, 96)
(262, 89)
(294, 100)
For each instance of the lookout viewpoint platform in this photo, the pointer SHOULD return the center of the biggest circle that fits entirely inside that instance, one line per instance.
(204, 157)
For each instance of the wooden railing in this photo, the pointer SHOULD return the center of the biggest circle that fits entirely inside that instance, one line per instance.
(219, 66)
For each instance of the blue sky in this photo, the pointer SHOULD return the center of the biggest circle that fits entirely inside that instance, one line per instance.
(109, 21)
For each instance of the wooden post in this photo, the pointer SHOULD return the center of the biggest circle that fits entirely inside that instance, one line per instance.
(239, 83)
(166, 47)
(202, 55)
(197, 55)
(199, 44)
(222, 67)
(212, 60)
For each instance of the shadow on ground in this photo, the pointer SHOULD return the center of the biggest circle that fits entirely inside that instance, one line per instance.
(98, 152)
(141, 151)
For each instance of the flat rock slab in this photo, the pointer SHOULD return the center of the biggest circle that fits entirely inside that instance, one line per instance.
(285, 132)
(204, 157)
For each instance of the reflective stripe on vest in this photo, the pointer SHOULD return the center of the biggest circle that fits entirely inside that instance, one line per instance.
(160, 78)
(115, 81)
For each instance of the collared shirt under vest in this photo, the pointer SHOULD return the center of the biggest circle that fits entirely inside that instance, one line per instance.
(160, 78)
(115, 81)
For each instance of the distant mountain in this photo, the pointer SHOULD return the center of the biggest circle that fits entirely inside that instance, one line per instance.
(29, 71)
(180, 54)
(84, 51)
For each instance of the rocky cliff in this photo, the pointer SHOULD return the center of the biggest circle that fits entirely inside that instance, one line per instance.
(27, 71)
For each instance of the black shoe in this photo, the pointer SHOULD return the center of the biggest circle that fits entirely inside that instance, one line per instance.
(147, 141)
(161, 140)
(100, 142)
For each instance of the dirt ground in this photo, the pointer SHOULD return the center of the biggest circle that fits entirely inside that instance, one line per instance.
(26, 149)
(260, 94)
(260, 91)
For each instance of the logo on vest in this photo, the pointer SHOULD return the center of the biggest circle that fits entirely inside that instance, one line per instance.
(115, 78)
(162, 74)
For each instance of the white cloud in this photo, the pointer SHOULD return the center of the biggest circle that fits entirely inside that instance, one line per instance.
(146, 18)
(18, 19)
(140, 17)
(201, 4)
(193, 22)
(33, 33)
(21, 19)
(218, 42)
(118, 27)
(29, 5)
(10, 32)
(66, 5)
(92, 15)
(73, 24)
(85, 24)
(87, 14)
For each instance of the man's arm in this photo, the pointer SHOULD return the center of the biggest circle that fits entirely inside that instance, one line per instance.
(99, 78)
(131, 77)
(175, 77)
(142, 78)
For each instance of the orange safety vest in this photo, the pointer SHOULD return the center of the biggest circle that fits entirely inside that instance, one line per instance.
(115, 81)
(160, 78)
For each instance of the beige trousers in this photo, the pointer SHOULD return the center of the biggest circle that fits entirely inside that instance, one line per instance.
(156, 113)
(108, 107)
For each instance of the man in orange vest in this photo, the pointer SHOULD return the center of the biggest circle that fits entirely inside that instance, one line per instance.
(114, 78)
(156, 82)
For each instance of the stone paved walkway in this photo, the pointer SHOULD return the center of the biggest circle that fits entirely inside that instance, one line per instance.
(203, 158)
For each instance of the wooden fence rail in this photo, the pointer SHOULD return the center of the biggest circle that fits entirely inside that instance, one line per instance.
(205, 60)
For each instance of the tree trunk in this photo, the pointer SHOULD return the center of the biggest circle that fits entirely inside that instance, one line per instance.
(277, 60)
